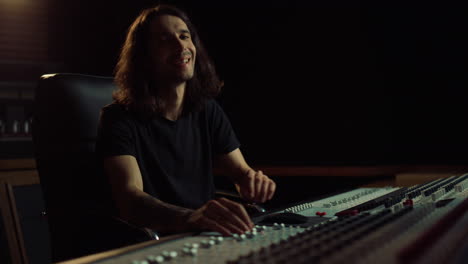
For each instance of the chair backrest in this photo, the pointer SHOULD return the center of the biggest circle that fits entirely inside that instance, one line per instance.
(77, 197)
(65, 122)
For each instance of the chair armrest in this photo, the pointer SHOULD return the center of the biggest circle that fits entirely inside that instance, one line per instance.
(252, 209)
(229, 195)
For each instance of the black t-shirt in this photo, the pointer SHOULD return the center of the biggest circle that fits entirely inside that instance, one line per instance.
(174, 157)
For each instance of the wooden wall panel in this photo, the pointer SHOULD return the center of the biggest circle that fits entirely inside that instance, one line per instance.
(23, 30)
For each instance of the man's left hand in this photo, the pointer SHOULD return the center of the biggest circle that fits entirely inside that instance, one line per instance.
(256, 187)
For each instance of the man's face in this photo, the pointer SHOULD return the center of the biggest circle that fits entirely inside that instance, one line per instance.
(171, 49)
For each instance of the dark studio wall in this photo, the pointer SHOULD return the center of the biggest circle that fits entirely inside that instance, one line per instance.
(312, 82)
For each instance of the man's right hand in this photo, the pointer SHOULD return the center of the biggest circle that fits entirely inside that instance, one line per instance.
(221, 215)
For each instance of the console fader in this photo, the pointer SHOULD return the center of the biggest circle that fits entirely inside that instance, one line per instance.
(426, 223)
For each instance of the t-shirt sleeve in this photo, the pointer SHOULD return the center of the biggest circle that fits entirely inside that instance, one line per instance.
(224, 139)
(115, 133)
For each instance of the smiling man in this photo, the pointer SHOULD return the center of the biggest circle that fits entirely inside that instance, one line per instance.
(160, 137)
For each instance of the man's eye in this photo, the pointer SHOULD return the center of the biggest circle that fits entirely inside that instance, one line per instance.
(184, 37)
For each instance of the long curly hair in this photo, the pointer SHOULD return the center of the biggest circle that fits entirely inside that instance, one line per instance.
(132, 74)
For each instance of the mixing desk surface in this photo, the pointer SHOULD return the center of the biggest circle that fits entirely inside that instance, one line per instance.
(426, 223)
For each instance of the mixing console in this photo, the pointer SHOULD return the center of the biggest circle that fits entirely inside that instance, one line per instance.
(426, 223)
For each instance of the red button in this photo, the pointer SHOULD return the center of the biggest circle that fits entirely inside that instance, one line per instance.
(408, 202)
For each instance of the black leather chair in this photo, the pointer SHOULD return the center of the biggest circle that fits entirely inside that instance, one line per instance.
(65, 121)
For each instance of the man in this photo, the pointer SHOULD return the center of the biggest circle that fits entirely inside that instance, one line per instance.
(160, 137)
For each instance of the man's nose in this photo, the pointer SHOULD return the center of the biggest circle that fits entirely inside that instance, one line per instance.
(179, 45)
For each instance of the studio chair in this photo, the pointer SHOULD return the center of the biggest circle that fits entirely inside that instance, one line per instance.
(65, 122)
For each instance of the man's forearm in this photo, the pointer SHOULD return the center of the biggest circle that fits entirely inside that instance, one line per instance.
(235, 173)
(144, 210)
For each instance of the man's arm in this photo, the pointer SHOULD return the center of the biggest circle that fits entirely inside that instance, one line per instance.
(140, 208)
(252, 185)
